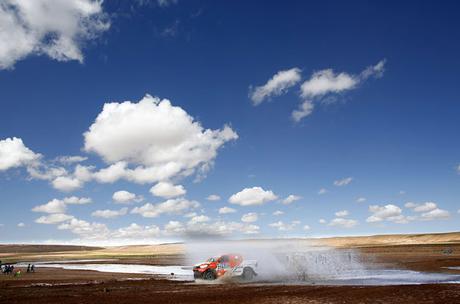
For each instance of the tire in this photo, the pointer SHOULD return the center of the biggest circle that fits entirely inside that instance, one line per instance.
(248, 274)
(209, 275)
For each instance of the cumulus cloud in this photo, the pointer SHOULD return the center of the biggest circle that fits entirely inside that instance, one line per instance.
(360, 199)
(282, 226)
(343, 222)
(135, 231)
(290, 199)
(323, 84)
(277, 85)
(21, 225)
(13, 152)
(278, 212)
(249, 217)
(305, 109)
(68, 182)
(252, 196)
(54, 218)
(342, 213)
(389, 212)
(213, 197)
(226, 210)
(167, 190)
(171, 206)
(428, 211)
(306, 227)
(343, 182)
(56, 28)
(322, 221)
(162, 141)
(322, 191)
(108, 214)
(60, 205)
(435, 214)
(125, 197)
(200, 229)
(198, 219)
(70, 159)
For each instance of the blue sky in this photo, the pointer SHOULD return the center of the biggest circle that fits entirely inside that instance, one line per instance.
(378, 82)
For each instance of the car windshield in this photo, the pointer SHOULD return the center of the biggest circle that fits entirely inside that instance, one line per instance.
(211, 260)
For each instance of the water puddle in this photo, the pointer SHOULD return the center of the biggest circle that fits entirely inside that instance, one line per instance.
(349, 277)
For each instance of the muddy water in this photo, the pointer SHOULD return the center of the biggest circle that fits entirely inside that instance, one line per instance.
(346, 277)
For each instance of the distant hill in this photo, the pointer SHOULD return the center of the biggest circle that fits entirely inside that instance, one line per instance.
(390, 239)
(22, 248)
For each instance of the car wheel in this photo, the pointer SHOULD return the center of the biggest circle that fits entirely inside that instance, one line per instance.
(248, 274)
(209, 275)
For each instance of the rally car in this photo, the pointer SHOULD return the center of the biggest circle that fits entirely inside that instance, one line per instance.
(231, 265)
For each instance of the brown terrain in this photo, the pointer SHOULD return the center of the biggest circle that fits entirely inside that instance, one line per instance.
(429, 252)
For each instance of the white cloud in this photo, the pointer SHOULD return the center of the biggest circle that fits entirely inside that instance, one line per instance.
(61, 179)
(60, 205)
(281, 226)
(322, 191)
(213, 197)
(305, 109)
(342, 213)
(252, 196)
(429, 211)
(290, 199)
(226, 210)
(13, 152)
(327, 82)
(53, 206)
(86, 230)
(322, 221)
(74, 200)
(276, 86)
(56, 28)
(390, 212)
(361, 200)
(135, 231)
(171, 206)
(162, 141)
(167, 190)
(70, 159)
(107, 213)
(21, 225)
(174, 228)
(66, 184)
(435, 214)
(204, 228)
(306, 227)
(278, 212)
(425, 207)
(165, 3)
(343, 182)
(249, 217)
(125, 197)
(198, 219)
(342, 222)
(458, 169)
(54, 218)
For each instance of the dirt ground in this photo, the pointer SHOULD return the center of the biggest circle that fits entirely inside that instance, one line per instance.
(74, 286)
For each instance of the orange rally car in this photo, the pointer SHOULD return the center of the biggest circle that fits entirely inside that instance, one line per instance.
(231, 265)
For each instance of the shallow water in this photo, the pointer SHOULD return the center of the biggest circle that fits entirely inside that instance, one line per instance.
(361, 277)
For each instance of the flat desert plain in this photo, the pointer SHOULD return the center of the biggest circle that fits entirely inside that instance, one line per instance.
(427, 253)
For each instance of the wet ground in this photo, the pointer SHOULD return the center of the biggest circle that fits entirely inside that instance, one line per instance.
(397, 265)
